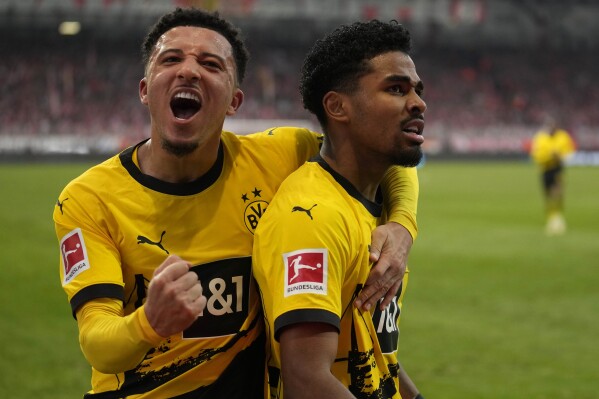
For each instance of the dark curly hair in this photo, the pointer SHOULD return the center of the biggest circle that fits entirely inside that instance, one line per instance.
(339, 59)
(203, 19)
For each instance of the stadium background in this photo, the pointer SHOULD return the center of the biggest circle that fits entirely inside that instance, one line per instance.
(492, 69)
(494, 310)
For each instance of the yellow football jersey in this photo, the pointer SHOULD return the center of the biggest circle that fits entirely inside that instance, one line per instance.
(549, 151)
(115, 225)
(310, 259)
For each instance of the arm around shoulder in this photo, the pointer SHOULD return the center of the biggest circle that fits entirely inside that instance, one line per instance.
(392, 242)
(401, 189)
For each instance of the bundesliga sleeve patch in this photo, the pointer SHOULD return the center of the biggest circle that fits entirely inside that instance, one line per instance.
(306, 271)
(74, 255)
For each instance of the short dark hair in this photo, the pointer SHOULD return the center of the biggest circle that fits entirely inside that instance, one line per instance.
(338, 60)
(203, 19)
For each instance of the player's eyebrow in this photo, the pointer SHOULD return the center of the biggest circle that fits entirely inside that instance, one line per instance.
(419, 86)
(202, 54)
(218, 57)
(169, 50)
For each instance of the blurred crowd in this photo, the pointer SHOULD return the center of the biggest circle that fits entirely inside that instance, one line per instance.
(478, 100)
(500, 97)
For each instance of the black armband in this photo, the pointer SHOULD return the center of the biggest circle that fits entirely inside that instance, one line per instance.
(419, 397)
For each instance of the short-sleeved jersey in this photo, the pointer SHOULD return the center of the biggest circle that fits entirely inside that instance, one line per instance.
(115, 225)
(311, 258)
(550, 150)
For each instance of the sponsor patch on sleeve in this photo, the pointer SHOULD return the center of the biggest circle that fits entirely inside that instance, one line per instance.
(74, 255)
(306, 271)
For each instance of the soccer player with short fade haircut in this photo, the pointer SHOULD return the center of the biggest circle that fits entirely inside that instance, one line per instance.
(311, 247)
(156, 241)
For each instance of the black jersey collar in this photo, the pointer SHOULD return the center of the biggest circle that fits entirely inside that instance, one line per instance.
(189, 188)
(376, 209)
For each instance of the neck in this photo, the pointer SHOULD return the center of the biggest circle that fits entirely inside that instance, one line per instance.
(163, 165)
(365, 176)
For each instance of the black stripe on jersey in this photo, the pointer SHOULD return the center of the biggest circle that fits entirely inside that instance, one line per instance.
(94, 292)
(305, 316)
(242, 379)
(359, 366)
(375, 209)
(189, 188)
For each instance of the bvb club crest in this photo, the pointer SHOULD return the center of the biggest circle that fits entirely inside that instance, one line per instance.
(254, 209)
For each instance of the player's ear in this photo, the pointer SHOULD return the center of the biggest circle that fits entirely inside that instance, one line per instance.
(143, 91)
(335, 106)
(236, 102)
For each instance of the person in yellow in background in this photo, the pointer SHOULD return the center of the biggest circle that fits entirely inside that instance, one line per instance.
(551, 146)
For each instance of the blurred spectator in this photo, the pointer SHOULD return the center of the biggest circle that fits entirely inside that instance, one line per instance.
(84, 89)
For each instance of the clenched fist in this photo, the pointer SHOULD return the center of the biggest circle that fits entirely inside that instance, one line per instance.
(174, 298)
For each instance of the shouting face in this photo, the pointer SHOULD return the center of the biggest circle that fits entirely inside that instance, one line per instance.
(189, 88)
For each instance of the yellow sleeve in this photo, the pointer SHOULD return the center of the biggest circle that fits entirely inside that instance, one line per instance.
(566, 144)
(400, 189)
(110, 342)
(308, 143)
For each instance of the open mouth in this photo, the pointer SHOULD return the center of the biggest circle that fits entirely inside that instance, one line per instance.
(185, 105)
(415, 126)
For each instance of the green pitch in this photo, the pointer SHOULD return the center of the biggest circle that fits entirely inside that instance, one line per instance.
(495, 309)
